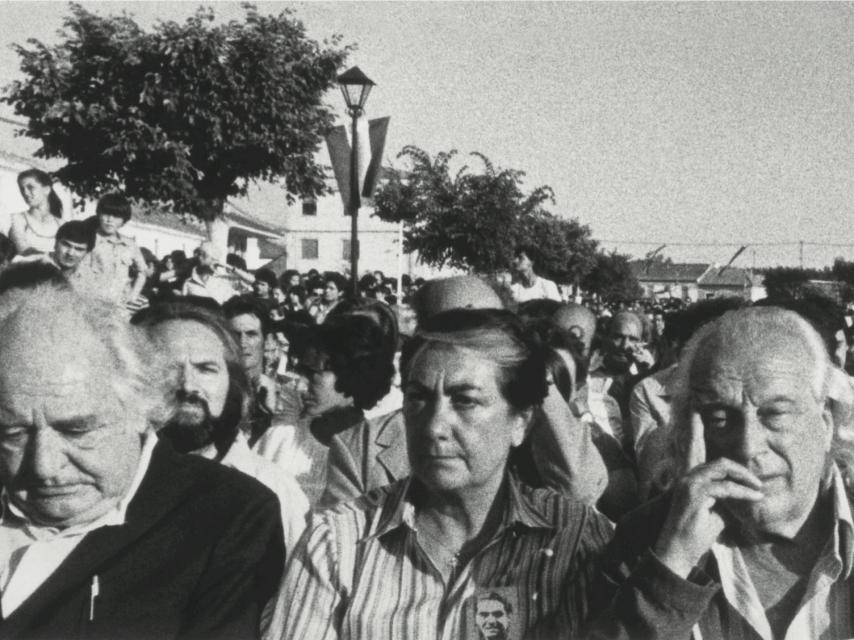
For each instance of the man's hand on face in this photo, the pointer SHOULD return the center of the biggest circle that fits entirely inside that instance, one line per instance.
(694, 521)
(642, 356)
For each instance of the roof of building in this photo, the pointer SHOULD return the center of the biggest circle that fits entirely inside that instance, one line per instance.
(726, 277)
(657, 271)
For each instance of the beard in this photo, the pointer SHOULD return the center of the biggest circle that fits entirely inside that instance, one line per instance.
(191, 426)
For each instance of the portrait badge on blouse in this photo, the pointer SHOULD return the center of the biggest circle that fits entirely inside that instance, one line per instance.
(497, 615)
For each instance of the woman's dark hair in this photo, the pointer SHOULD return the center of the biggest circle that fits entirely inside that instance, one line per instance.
(500, 335)
(114, 204)
(44, 179)
(358, 356)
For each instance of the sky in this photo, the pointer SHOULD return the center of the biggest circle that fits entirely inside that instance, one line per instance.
(702, 126)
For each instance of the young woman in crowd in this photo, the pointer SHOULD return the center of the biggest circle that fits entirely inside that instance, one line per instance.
(34, 230)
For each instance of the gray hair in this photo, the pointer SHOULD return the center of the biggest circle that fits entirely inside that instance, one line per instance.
(132, 374)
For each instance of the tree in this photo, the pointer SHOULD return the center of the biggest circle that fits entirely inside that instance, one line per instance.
(474, 221)
(791, 282)
(611, 279)
(562, 249)
(186, 114)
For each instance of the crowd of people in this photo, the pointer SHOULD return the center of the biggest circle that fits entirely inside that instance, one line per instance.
(199, 451)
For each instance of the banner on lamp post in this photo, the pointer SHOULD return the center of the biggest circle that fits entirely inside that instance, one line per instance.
(370, 145)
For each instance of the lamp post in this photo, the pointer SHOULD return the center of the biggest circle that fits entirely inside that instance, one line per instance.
(355, 86)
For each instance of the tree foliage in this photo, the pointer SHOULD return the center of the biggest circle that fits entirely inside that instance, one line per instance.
(474, 221)
(791, 282)
(186, 114)
(611, 278)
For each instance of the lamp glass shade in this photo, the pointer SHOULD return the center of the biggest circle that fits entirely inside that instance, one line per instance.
(355, 86)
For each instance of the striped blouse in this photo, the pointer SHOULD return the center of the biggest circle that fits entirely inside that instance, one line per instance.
(359, 572)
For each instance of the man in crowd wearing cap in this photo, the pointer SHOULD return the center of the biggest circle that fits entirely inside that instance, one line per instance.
(106, 532)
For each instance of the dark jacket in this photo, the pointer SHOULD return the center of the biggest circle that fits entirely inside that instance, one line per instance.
(199, 554)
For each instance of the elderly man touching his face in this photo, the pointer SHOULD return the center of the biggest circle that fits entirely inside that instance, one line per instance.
(755, 540)
(104, 532)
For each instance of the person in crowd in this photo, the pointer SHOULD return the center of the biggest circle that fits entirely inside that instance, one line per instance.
(471, 379)
(368, 285)
(220, 286)
(33, 231)
(114, 270)
(623, 361)
(528, 285)
(754, 538)
(334, 290)
(295, 309)
(73, 242)
(348, 369)
(209, 397)
(198, 283)
(251, 328)
(105, 531)
(265, 282)
(650, 400)
(568, 369)
(290, 278)
(374, 453)
(577, 321)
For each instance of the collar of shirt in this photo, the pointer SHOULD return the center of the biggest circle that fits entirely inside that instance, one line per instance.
(116, 238)
(836, 560)
(399, 511)
(114, 517)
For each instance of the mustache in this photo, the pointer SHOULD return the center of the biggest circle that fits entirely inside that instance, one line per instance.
(193, 398)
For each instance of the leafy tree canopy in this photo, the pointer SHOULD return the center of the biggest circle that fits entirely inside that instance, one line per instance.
(791, 282)
(186, 114)
(474, 221)
(611, 278)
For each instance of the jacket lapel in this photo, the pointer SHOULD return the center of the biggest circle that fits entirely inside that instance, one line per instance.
(391, 441)
(164, 486)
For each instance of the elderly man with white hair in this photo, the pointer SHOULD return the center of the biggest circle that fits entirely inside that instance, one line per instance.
(106, 532)
(756, 539)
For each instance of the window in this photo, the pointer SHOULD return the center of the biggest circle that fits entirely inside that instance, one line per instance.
(309, 207)
(309, 249)
(345, 249)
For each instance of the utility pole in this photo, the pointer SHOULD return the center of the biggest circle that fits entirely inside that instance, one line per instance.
(801, 243)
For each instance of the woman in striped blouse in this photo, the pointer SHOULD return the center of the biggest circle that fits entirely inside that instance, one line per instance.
(461, 549)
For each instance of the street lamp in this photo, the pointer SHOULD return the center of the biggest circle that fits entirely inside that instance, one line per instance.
(355, 86)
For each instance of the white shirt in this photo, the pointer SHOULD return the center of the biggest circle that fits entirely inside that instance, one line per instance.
(30, 553)
(541, 288)
(292, 501)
